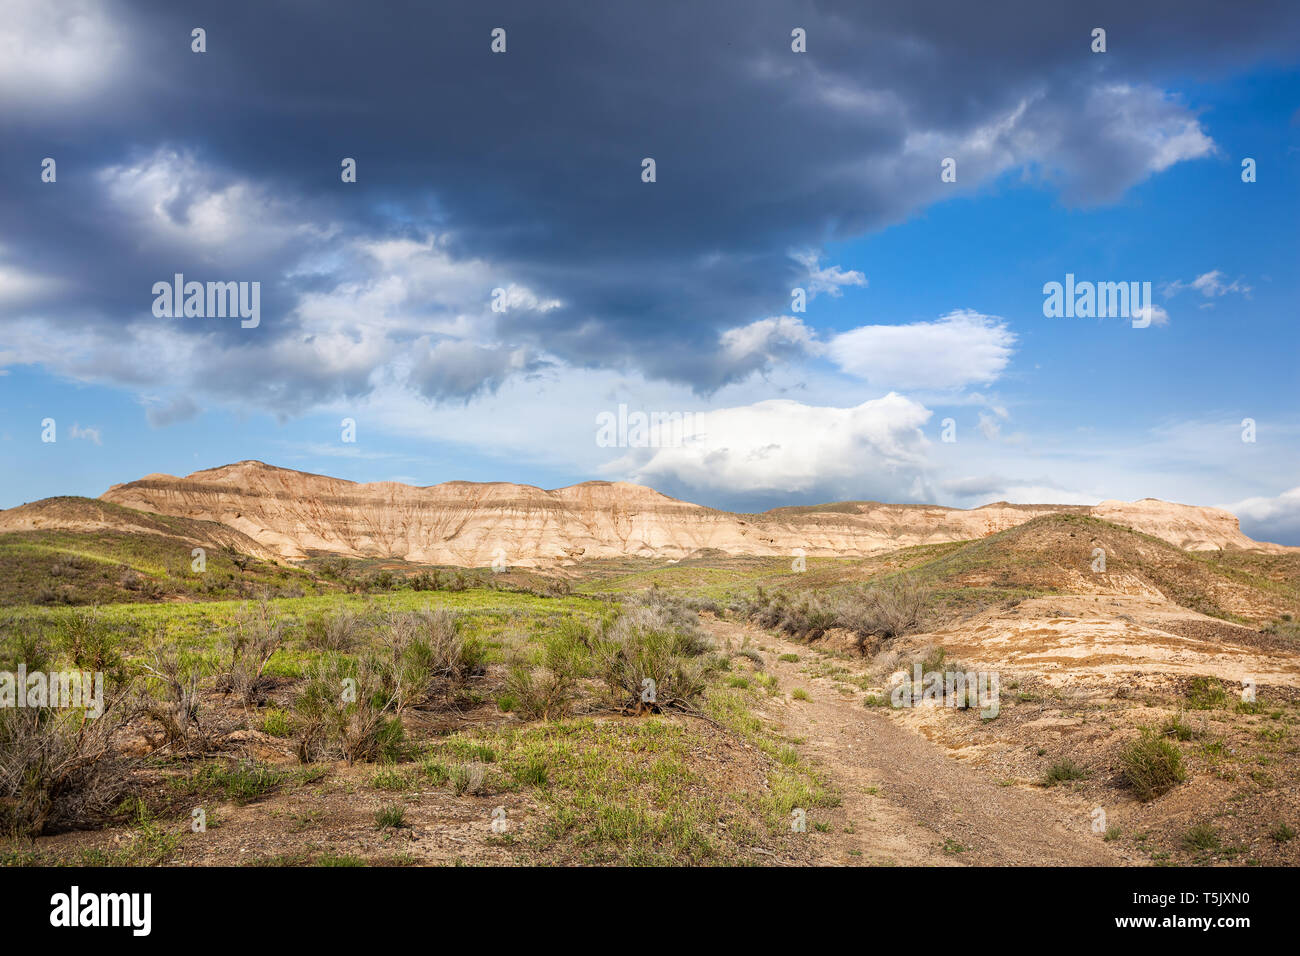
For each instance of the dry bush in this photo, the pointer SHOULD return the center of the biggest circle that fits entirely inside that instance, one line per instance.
(544, 683)
(344, 713)
(657, 643)
(338, 632)
(58, 767)
(425, 657)
(174, 701)
(255, 637)
(885, 610)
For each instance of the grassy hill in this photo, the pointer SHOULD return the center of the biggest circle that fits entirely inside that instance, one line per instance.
(102, 553)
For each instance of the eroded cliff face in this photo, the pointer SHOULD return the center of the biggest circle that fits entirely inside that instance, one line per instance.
(293, 513)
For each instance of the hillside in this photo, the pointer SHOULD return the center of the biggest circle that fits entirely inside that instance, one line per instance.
(84, 551)
(294, 514)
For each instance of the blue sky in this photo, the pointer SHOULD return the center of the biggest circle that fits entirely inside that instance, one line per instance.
(522, 171)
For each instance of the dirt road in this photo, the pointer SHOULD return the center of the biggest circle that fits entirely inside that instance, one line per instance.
(905, 801)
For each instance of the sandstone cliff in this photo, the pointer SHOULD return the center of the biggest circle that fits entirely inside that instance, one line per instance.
(293, 513)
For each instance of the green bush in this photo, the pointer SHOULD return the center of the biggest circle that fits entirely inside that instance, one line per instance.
(1152, 765)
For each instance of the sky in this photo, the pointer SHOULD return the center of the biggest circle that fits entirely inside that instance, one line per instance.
(505, 274)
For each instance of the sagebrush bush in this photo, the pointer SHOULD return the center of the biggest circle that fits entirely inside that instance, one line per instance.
(338, 632)
(59, 768)
(425, 657)
(171, 699)
(543, 682)
(886, 610)
(352, 725)
(883, 610)
(652, 650)
(250, 643)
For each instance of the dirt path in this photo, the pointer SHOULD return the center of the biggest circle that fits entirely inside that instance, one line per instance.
(905, 801)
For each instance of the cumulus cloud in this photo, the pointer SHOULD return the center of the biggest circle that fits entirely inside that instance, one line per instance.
(961, 348)
(1274, 519)
(782, 336)
(779, 447)
(457, 370)
(172, 199)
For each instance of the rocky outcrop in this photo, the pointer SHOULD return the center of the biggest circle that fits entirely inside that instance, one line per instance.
(293, 514)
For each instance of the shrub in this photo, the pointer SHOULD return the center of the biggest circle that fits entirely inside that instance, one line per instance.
(1201, 837)
(545, 684)
(425, 657)
(349, 722)
(886, 610)
(391, 816)
(1063, 771)
(172, 699)
(466, 777)
(337, 632)
(58, 767)
(652, 657)
(391, 779)
(1152, 765)
(254, 638)
(1206, 693)
(90, 641)
(277, 723)
(809, 620)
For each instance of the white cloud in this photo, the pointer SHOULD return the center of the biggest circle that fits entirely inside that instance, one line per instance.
(174, 199)
(1211, 285)
(768, 338)
(57, 51)
(961, 348)
(830, 280)
(1152, 314)
(785, 447)
(1270, 519)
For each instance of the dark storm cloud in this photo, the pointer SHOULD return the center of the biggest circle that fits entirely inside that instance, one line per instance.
(530, 161)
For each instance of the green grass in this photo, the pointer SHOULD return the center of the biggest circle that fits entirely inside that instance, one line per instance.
(241, 782)
(1206, 693)
(1151, 765)
(390, 816)
(1063, 771)
(1201, 837)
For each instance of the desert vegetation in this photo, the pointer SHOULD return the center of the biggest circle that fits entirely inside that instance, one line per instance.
(632, 711)
(478, 694)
